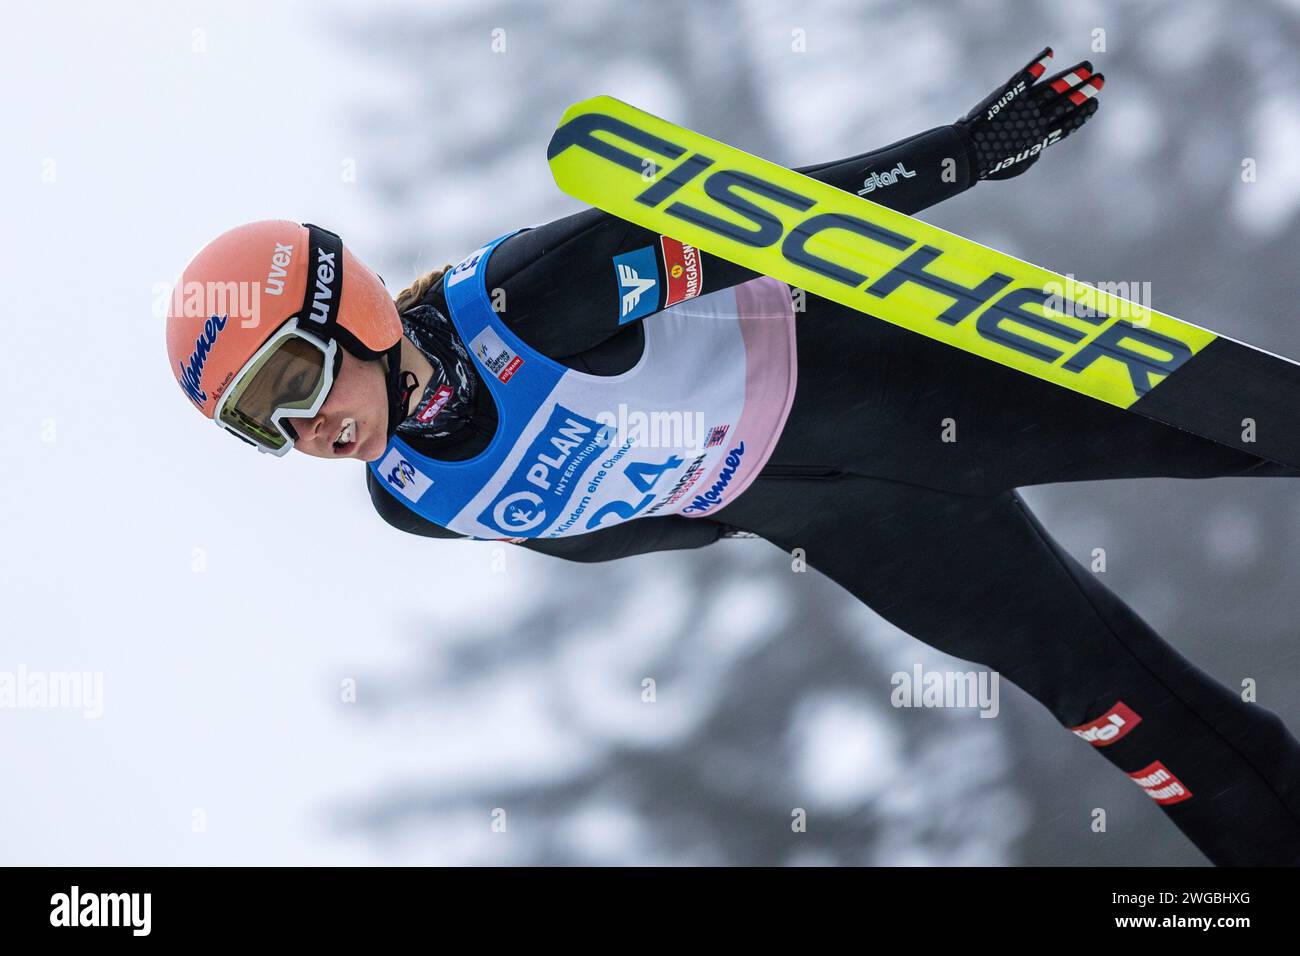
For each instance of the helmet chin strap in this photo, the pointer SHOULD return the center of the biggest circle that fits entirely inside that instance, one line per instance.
(393, 375)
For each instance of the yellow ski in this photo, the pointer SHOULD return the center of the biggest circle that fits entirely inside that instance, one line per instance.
(899, 269)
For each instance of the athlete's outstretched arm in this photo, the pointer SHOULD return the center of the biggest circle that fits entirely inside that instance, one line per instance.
(562, 291)
(561, 284)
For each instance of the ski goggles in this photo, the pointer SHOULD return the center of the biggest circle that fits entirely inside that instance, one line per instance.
(289, 377)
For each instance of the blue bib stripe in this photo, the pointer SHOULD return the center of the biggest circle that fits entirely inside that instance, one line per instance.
(440, 490)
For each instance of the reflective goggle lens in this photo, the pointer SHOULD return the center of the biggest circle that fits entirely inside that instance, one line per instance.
(289, 376)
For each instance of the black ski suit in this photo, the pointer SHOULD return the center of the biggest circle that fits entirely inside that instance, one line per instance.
(930, 533)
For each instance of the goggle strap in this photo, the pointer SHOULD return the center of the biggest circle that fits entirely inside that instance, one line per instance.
(323, 296)
(320, 305)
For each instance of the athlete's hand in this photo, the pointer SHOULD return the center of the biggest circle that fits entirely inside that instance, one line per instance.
(1006, 133)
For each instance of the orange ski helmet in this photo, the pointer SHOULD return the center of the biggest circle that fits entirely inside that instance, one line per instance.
(273, 297)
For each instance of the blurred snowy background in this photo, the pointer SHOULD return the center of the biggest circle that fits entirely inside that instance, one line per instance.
(228, 598)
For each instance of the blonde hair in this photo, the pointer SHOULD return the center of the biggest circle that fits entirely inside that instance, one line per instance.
(412, 294)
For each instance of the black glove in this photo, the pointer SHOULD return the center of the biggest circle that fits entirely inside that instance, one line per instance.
(1006, 133)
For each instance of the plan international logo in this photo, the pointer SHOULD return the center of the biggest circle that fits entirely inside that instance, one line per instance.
(548, 474)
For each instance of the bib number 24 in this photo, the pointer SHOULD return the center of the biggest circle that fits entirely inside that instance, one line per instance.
(644, 476)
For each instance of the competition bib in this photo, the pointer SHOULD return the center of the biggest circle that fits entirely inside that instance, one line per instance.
(682, 432)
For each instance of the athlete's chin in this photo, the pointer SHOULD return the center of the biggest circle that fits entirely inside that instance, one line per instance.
(372, 449)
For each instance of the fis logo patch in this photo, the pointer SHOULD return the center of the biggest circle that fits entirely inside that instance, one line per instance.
(717, 434)
(403, 477)
(638, 281)
(497, 357)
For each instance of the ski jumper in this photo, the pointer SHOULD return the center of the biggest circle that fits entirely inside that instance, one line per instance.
(928, 533)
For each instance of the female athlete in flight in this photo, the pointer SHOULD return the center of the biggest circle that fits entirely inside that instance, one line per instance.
(509, 398)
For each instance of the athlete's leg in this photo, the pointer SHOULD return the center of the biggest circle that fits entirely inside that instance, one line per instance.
(980, 579)
(877, 400)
